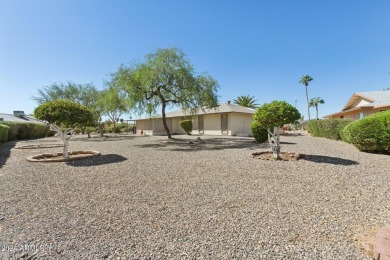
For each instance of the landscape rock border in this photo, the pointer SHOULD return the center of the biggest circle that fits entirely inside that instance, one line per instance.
(58, 157)
(284, 156)
(38, 146)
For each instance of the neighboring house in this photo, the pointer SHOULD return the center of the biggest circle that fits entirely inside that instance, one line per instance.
(19, 116)
(226, 119)
(362, 104)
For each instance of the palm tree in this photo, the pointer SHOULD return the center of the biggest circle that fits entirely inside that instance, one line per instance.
(305, 81)
(246, 101)
(314, 103)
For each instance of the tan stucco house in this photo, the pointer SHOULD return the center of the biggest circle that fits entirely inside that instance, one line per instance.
(226, 119)
(362, 104)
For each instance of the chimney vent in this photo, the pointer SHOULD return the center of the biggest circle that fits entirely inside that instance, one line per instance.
(19, 114)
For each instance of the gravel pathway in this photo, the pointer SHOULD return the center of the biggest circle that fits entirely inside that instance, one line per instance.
(147, 199)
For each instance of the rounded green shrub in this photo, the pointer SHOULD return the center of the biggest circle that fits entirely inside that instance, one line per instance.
(187, 126)
(3, 133)
(371, 134)
(259, 133)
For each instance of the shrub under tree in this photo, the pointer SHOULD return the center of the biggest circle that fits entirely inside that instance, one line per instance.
(187, 126)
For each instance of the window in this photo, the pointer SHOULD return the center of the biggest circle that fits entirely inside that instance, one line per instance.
(361, 115)
(341, 116)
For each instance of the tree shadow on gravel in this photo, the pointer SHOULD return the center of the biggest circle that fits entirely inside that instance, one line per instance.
(329, 160)
(98, 160)
(5, 152)
(183, 145)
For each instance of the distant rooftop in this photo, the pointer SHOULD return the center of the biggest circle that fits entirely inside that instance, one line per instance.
(19, 116)
(223, 108)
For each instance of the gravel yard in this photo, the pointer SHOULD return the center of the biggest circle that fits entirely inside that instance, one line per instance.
(143, 198)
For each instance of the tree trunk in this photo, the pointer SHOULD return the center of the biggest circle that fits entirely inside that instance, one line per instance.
(317, 111)
(66, 145)
(101, 130)
(308, 104)
(276, 146)
(82, 129)
(114, 129)
(165, 120)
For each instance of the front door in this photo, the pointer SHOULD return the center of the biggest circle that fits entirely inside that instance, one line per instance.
(201, 124)
(224, 123)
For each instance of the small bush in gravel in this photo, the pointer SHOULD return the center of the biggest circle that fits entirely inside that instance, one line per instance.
(3, 133)
(328, 128)
(187, 126)
(259, 133)
(371, 134)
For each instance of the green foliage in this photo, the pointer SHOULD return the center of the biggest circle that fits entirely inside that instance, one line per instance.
(167, 79)
(64, 112)
(113, 102)
(89, 130)
(187, 126)
(370, 134)
(21, 131)
(328, 128)
(259, 133)
(275, 114)
(345, 133)
(3, 133)
(246, 101)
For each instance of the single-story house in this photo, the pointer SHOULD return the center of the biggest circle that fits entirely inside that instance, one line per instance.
(362, 104)
(19, 116)
(226, 119)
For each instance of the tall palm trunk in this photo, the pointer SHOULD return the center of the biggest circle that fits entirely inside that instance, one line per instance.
(308, 104)
(317, 111)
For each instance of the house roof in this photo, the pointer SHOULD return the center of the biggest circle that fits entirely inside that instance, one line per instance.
(25, 119)
(223, 108)
(375, 98)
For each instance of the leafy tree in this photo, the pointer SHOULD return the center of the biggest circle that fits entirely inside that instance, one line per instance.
(113, 102)
(305, 81)
(314, 103)
(167, 79)
(63, 112)
(273, 116)
(246, 101)
(86, 95)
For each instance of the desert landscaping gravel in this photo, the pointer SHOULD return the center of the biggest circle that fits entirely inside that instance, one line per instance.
(146, 198)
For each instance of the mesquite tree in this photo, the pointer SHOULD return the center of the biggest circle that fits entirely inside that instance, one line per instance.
(83, 94)
(273, 116)
(167, 79)
(63, 113)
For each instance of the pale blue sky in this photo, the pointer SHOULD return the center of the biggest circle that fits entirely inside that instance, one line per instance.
(258, 48)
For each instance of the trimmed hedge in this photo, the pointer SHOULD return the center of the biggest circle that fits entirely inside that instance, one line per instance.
(187, 126)
(328, 128)
(3, 133)
(370, 134)
(21, 131)
(259, 133)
